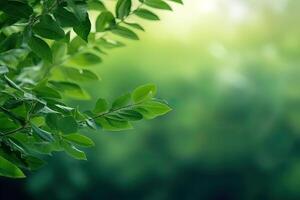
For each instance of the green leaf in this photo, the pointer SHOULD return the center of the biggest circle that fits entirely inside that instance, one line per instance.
(43, 90)
(79, 74)
(79, 139)
(16, 9)
(67, 125)
(96, 5)
(130, 115)
(40, 48)
(85, 59)
(3, 70)
(143, 93)
(177, 1)
(104, 20)
(159, 4)
(10, 170)
(79, 8)
(121, 101)
(146, 14)
(44, 135)
(34, 163)
(70, 89)
(135, 25)
(65, 17)
(59, 51)
(123, 8)
(48, 28)
(101, 106)
(73, 151)
(84, 28)
(12, 84)
(112, 124)
(125, 32)
(110, 44)
(75, 45)
(52, 121)
(151, 109)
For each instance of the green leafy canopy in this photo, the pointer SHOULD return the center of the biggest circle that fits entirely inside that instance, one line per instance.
(39, 39)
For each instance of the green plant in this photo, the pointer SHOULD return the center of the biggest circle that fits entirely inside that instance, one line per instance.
(46, 48)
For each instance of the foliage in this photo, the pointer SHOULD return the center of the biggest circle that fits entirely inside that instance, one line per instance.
(47, 49)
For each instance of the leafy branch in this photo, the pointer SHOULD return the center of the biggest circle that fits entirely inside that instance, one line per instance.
(46, 49)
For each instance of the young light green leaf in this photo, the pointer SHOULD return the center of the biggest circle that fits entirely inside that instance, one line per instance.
(104, 20)
(101, 106)
(96, 5)
(151, 109)
(143, 93)
(10, 170)
(121, 101)
(59, 51)
(79, 139)
(70, 89)
(40, 48)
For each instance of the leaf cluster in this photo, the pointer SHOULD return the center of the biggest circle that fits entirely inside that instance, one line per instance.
(47, 50)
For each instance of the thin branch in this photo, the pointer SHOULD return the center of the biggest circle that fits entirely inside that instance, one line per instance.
(13, 131)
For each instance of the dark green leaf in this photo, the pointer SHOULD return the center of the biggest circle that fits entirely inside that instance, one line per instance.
(16, 9)
(48, 28)
(73, 151)
(130, 115)
(44, 135)
(40, 48)
(79, 139)
(65, 17)
(84, 28)
(67, 125)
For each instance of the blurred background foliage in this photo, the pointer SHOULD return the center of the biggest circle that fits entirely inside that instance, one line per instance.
(230, 70)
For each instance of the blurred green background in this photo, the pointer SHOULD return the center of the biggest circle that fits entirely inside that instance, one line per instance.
(230, 71)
